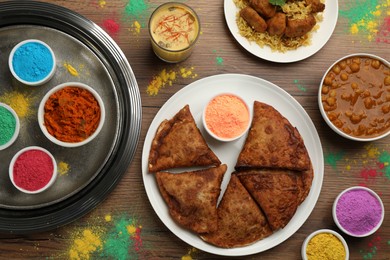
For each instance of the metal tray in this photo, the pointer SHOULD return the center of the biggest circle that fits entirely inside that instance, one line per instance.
(95, 168)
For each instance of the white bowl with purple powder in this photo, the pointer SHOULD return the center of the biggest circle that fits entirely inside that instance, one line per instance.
(358, 211)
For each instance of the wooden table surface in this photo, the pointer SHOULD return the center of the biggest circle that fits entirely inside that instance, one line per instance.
(347, 163)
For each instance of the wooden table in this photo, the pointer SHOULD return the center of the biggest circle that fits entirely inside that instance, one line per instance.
(347, 163)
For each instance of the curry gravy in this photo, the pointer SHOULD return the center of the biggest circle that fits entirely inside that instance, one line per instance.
(356, 96)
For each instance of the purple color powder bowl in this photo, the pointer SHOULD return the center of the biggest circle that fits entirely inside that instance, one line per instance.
(358, 211)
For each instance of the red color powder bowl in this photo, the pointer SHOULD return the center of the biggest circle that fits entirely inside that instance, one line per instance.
(33, 170)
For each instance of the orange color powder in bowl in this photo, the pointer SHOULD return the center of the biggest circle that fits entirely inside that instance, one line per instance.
(226, 117)
(71, 114)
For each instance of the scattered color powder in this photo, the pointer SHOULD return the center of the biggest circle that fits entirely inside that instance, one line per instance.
(369, 173)
(118, 240)
(7, 125)
(107, 218)
(384, 159)
(299, 86)
(102, 3)
(86, 244)
(137, 26)
(365, 16)
(72, 71)
(19, 102)
(333, 158)
(167, 78)
(189, 255)
(219, 60)
(63, 168)
(136, 8)
(111, 26)
(373, 247)
(372, 152)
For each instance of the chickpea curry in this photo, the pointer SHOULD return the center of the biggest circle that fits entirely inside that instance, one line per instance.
(356, 96)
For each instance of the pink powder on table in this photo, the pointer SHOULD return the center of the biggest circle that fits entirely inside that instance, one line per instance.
(227, 116)
(32, 170)
(358, 211)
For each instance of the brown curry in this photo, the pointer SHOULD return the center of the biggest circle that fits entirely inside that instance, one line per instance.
(356, 96)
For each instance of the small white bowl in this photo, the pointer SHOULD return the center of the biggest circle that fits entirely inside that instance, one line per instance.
(41, 112)
(373, 230)
(17, 127)
(323, 112)
(15, 158)
(226, 139)
(24, 81)
(322, 231)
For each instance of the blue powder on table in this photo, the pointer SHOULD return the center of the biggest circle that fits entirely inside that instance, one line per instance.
(32, 61)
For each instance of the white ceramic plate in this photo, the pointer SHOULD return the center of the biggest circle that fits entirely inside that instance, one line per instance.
(319, 38)
(250, 88)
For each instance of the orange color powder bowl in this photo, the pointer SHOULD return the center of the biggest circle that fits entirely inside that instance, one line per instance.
(226, 117)
(70, 121)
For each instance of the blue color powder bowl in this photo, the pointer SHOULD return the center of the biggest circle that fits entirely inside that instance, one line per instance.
(32, 62)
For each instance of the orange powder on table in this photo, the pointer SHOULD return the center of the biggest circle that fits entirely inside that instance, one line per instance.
(227, 116)
(72, 114)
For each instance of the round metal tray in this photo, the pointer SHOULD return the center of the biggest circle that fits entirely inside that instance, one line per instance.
(95, 168)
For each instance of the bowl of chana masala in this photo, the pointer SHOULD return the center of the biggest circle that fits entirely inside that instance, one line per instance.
(354, 97)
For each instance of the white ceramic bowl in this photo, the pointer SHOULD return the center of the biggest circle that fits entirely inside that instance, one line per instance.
(322, 110)
(41, 112)
(225, 139)
(32, 83)
(321, 231)
(48, 184)
(17, 127)
(337, 221)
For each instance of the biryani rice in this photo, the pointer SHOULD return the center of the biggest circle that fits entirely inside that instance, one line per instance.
(295, 10)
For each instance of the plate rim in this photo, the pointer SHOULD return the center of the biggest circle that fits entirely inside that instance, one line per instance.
(188, 235)
(274, 56)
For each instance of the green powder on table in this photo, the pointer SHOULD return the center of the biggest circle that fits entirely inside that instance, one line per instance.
(7, 125)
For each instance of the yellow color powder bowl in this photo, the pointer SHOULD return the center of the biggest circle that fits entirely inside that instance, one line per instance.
(325, 244)
(79, 109)
(226, 117)
(174, 29)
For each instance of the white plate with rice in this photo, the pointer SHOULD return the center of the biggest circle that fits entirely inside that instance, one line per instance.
(318, 38)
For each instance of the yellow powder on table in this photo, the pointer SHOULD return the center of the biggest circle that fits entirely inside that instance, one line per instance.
(19, 102)
(227, 116)
(137, 26)
(325, 246)
(85, 246)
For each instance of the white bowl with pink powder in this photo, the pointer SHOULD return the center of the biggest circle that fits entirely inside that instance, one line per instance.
(358, 211)
(226, 117)
(33, 170)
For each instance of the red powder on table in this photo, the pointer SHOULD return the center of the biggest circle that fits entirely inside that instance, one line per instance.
(32, 170)
(227, 116)
(111, 26)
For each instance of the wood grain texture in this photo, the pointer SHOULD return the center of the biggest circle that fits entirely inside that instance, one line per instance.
(216, 41)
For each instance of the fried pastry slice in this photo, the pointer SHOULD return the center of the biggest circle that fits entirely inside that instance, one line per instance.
(179, 143)
(192, 197)
(307, 179)
(272, 142)
(275, 191)
(240, 220)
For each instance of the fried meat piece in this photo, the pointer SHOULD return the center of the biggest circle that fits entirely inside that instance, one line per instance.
(276, 192)
(179, 143)
(277, 24)
(192, 197)
(263, 7)
(299, 27)
(240, 220)
(316, 6)
(272, 142)
(255, 21)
